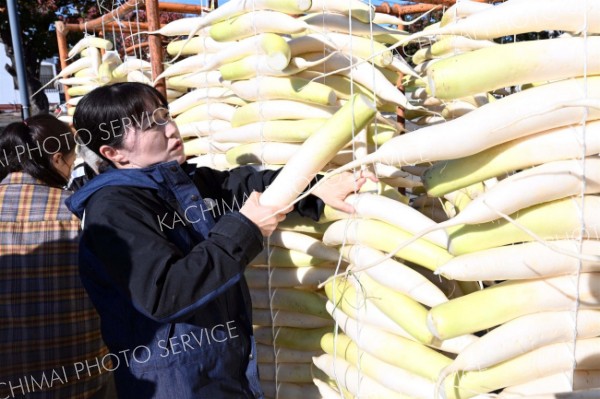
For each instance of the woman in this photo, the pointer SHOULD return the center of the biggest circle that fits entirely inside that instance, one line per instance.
(162, 260)
(48, 326)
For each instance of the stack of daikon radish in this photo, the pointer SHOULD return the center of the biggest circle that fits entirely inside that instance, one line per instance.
(257, 84)
(433, 49)
(256, 94)
(498, 175)
(97, 65)
(523, 174)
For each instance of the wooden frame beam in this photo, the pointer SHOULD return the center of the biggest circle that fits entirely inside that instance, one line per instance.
(181, 8)
(423, 6)
(155, 44)
(125, 25)
(399, 11)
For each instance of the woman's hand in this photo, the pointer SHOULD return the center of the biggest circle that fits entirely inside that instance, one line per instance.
(335, 190)
(266, 218)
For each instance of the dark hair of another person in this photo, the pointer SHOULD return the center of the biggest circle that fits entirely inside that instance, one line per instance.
(28, 147)
(103, 115)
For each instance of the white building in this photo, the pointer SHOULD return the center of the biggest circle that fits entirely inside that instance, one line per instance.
(10, 96)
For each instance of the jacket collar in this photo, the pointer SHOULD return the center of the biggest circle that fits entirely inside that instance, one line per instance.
(150, 177)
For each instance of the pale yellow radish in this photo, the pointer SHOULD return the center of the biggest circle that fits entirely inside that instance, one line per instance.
(390, 376)
(384, 237)
(524, 261)
(525, 334)
(262, 152)
(283, 88)
(395, 275)
(286, 372)
(129, 65)
(197, 97)
(204, 145)
(523, 114)
(258, 65)
(351, 379)
(198, 44)
(543, 183)
(575, 384)
(325, 23)
(286, 277)
(269, 354)
(542, 362)
(280, 110)
(508, 300)
(283, 257)
(355, 308)
(303, 243)
(92, 63)
(89, 41)
(293, 131)
(396, 350)
(395, 213)
(139, 77)
(284, 318)
(205, 128)
(462, 9)
(81, 90)
(552, 145)
(273, 46)
(364, 74)
(307, 339)
(290, 299)
(255, 22)
(357, 9)
(236, 7)
(197, 80)
(568, 217)
(521, 16)
(495, 67)
(321, 146)
(206, 112)
(346, 44)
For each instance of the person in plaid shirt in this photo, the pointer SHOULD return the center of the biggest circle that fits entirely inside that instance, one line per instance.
(50, 340)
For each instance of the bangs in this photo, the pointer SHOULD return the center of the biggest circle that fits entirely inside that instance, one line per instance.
(138, 100)
(113, 105)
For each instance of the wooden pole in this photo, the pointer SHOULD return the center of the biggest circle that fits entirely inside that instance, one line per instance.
(423, 6)
(63, 49)
(111, 16)
(180, 8)
(126, 25)
(398, 10)
(155, 43)
(135, 47)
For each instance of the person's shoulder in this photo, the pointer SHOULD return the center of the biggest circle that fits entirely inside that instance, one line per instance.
(119, 199)
(61, 195)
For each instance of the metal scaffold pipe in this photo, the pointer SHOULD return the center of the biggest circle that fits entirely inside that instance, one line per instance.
(15, 31)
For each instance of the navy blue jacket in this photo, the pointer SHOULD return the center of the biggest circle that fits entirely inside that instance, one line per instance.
(162, 256)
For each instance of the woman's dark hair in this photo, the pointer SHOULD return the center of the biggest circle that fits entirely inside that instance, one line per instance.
(103, 115)
(28, 147)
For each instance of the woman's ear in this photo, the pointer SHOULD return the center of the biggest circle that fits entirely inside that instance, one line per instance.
(57, 160)
(114, 155)
(59, 163)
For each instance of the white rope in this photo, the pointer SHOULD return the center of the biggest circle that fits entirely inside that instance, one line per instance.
(102, 10)
(270, 268)
(137, 22)
(120, 25)
(582, 231)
